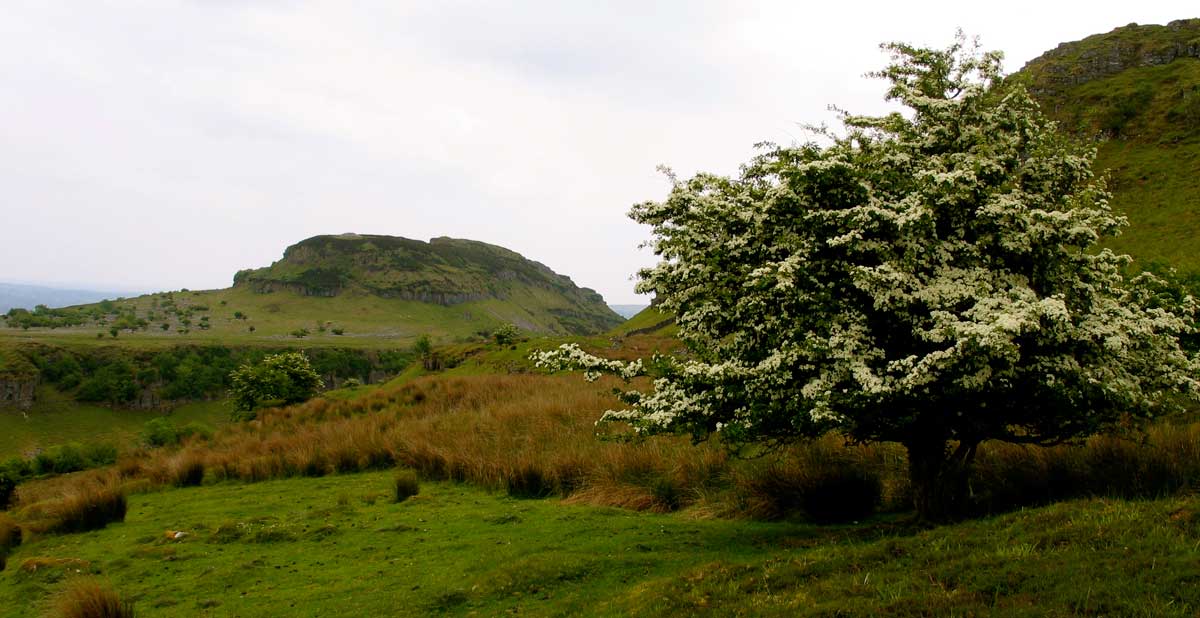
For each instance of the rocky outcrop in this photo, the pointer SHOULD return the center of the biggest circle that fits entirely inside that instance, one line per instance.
(17, 391)
(1102, 55)
(443, 271)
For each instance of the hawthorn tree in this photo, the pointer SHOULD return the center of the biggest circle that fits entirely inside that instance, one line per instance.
(929, 277)
(284, 378)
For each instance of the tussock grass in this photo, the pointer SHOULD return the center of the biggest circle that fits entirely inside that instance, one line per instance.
(187, 469)
(88, 503)
(534, 436)
(89, 598)
(405, 485)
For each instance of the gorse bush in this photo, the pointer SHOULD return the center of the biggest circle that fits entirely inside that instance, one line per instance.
(89, 598)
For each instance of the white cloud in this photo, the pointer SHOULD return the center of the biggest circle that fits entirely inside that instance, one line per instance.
(168, 144)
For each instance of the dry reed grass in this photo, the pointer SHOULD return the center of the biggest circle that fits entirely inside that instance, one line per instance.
(87, 597)
(535, 435)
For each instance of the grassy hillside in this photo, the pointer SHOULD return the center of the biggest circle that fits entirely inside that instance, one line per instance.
(240, 316)
(1135, 92)
(339, 546)
(444, 271)
(343, 291)
(57, 419)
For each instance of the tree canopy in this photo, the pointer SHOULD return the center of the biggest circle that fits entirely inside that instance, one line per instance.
(282, 378)
(929, 277)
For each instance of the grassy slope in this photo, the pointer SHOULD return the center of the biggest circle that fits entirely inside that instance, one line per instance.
(56, 419)
(648, 320)
(368, 321)
(1155, 167)
(1146, 120)
(336, 546)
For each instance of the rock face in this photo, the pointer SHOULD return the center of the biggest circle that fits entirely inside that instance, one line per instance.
(17, 392)
(1133, 94)
(443, 271)
(1098, 56)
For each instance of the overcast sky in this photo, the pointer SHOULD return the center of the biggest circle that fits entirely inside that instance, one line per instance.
(163, 144)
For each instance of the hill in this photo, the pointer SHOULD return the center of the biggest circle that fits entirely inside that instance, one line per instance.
(347, 290)
(443, 271)
(1135, 93)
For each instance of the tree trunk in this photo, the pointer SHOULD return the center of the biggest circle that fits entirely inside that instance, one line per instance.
(939, 478)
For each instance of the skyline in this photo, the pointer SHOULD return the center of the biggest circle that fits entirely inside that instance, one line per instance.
(155, 146)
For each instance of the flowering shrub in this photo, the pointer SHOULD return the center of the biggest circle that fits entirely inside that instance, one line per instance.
(928, 277)
(282, 378)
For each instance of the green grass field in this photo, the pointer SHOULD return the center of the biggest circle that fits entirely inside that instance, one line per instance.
(338, 546)
(56, 419)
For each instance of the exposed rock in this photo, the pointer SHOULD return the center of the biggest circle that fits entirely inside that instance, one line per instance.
(17, 392)
(1078, 62)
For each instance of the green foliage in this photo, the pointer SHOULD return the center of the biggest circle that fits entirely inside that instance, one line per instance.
(506, 334)
(1142, 106)
(160, 432)
(111, 382)
(285, 378)
(928, 278)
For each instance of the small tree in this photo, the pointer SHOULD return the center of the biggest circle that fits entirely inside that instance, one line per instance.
(929, 278)
(279, 379)
(507, 334)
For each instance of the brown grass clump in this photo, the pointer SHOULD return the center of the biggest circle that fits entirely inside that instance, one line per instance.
(406, 485)
(88, 598)
(187, 469)
(88, 506)
(10, 534)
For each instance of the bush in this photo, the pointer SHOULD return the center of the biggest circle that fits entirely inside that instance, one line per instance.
(88, 598)
(287, 377)
(99, 454)
(160, 432)
(67, 458)
(506, 335)
(196, 429)
(407, 485)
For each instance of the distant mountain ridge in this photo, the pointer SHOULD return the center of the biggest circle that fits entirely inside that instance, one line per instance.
(443, 271)
(1135, 93)
(22, 296)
